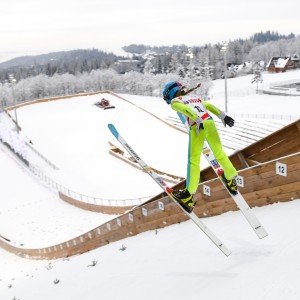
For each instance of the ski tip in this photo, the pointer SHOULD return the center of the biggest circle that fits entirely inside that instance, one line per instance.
(113, 130)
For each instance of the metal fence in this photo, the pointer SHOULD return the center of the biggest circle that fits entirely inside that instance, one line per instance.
(85, 198)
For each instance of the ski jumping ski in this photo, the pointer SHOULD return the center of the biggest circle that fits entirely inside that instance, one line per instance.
(237, 198)
(168, 190)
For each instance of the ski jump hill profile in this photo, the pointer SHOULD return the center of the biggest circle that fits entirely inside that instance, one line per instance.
(269, 172)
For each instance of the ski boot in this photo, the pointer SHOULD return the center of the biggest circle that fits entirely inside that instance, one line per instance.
(184, 198)
(230, 184)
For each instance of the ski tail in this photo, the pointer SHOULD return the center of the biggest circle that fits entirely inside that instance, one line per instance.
(237, 197)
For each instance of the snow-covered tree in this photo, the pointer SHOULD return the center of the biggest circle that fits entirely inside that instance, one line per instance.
(257, 75)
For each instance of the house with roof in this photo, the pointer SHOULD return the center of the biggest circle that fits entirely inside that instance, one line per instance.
(280, 64)
(127, 65)
(296, 60)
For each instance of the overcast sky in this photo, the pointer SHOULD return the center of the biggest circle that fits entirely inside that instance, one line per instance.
(42, 26)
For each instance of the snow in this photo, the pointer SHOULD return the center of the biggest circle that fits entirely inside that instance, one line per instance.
(281, 62)
(40, 217)
(173, 263)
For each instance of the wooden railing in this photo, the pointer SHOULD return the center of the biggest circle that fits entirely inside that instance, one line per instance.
(263, 186)
(270, 169)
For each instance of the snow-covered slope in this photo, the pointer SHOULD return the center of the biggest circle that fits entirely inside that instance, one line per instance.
(31, 214)
(177, 263)
(174, 263)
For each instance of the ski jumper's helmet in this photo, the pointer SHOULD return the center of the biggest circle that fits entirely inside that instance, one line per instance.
(170, 90)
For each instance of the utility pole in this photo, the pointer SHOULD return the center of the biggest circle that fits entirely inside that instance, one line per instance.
(13, 82)
(224, 49)
(190, 55)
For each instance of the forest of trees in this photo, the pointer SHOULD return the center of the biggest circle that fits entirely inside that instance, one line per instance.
(63, 73)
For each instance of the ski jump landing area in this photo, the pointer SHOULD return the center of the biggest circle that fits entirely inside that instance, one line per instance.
(269, 171)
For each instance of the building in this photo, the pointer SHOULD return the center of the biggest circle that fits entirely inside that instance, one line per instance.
(124, 66)
(280, 64)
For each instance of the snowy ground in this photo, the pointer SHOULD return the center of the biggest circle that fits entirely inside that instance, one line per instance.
(39, 217)
(178, 261)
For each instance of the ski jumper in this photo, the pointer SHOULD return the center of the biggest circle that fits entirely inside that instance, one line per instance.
(190, 108)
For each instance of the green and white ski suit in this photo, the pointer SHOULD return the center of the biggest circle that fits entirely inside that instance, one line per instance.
(190, 108)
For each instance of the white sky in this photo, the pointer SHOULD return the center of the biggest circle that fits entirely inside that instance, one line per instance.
(41, 26)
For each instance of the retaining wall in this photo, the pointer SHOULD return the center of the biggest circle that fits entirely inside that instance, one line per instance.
(263, 185)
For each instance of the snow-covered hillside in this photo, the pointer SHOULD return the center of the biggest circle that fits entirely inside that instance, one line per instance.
(174, 263)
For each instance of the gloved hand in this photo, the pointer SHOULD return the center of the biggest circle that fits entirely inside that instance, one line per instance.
(226, 120)
(199, 125)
